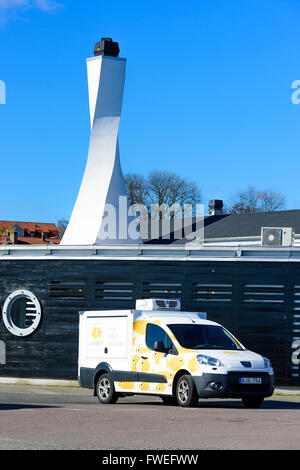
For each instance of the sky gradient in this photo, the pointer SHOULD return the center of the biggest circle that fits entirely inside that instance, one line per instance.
(207, 96)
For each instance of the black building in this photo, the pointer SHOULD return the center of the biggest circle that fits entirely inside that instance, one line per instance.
(253, 291)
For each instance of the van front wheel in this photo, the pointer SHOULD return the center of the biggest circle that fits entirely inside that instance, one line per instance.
(105, 390)
(186, 393)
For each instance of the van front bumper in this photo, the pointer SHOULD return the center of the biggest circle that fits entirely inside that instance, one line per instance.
(228, 385)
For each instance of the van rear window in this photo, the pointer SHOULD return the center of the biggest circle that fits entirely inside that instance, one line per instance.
(204, 337)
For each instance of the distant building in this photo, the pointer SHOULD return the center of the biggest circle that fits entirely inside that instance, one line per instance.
(28, 233)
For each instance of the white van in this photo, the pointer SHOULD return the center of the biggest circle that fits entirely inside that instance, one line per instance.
(159, 350)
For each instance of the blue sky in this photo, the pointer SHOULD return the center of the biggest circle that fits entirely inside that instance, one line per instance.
(207, 96)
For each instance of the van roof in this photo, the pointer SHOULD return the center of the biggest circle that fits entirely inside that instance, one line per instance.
(175, 316)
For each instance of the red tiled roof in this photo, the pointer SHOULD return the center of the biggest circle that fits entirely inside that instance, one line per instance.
(35, 227)
(29, 226)
(5, 240)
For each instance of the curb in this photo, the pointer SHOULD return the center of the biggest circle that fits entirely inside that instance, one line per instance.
(286, 392)
(47, 382)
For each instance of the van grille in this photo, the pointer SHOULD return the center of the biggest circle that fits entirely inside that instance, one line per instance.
(235, 386)
(249, 387)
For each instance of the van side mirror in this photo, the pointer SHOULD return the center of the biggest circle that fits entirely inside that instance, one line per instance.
(160, 347)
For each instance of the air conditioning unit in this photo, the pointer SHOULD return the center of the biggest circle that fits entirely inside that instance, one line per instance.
(277, 236)
(157, 304)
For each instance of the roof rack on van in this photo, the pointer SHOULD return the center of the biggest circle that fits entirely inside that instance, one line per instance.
(157, 304)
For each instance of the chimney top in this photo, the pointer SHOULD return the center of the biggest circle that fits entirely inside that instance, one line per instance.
(107, 47)
(215, 207)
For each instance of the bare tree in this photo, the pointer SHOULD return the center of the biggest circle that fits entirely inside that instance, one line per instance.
(169, 188)
(136, 188)
(251, 200)
(245, 202)
(271, 201)
(161, 188)
(62, 225)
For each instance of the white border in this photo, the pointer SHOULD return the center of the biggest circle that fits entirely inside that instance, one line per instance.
(12, 328)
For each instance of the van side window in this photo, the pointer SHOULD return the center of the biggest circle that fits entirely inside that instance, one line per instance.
(156, 333)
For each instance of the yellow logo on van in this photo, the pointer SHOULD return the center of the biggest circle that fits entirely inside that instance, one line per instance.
(139, 327)
(96, 332)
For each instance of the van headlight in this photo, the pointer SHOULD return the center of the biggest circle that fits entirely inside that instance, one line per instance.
(267, 363)
(210, 361)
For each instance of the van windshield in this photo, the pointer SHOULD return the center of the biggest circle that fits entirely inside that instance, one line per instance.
(204, 337)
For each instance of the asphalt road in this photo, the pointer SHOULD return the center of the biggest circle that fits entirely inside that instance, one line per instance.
(40, 417)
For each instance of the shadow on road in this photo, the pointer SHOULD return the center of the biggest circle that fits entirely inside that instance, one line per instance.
(281, 405)
(268, 404)
(20, 406)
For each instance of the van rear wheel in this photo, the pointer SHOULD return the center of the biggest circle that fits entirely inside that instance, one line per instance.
(105, 390)
(186, 393)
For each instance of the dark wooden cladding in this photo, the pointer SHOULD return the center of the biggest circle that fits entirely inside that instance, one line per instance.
(67, 289)
(258, 302)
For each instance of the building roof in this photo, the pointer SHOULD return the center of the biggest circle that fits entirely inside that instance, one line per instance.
(39, 229)
(249, 225)
(29, 226)
(237, 226)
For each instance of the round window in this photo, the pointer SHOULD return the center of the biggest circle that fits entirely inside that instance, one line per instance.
(21, 313)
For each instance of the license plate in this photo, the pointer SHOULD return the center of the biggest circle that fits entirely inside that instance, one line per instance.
(250, 380)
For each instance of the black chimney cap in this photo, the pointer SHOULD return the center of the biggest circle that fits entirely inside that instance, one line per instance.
(107, 47)
(215, 204)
